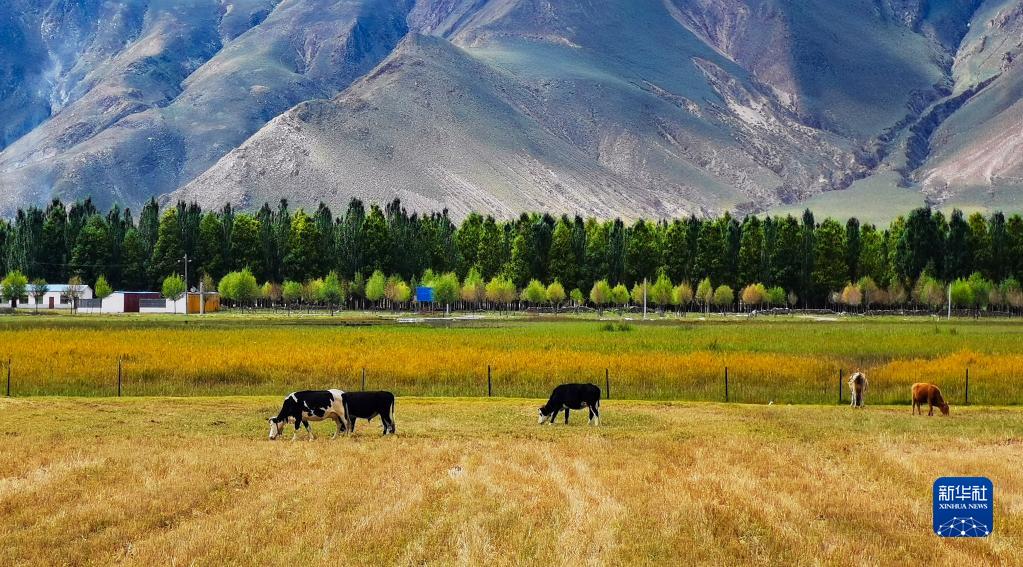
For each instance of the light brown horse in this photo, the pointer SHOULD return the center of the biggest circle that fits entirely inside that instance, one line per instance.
(929, 394)
(857, 386)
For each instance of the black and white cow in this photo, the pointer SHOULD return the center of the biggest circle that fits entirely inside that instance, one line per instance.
(312, 405)
(572, 397)
(367, 405)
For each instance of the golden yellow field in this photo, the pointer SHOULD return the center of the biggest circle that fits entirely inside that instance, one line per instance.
(147, 481)
(784, 360)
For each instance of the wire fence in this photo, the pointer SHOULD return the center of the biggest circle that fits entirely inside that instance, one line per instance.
(732, 384)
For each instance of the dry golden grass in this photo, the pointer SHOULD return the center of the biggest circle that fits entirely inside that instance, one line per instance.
(182, 481)
(783, 361)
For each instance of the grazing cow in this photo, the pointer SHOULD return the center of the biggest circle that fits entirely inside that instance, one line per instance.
(929, 394)
(572, 397)
(857, 386)
(312, 405)
(367, 405)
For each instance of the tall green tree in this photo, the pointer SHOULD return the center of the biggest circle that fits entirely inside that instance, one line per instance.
(786, 256)
(1014, 236)
(349, 240)
(1001, 263)
(246, 251)
(211, 246)
(980, 243)
(377, 244)
(468, 242)
(169, 252)
(676, 251)
(871, 255)
(54, 241)
(853, 246)
(518, 268)
(919, 245)
(134, 274)
(91, 257)
(830, 270)
(751, 251)
(303, 261)
(564, 264)
(596, 252)
(491, 252)
(642, 257)
(808, 254)
(711, 248)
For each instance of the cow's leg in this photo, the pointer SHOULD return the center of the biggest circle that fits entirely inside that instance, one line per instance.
(351, 425)
(595, 413)
(554, 416)
(308, 430)
(340, 428)
(566, 416)
(930, 408)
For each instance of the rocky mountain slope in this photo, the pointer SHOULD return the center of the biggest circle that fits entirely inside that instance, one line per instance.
(627, 107)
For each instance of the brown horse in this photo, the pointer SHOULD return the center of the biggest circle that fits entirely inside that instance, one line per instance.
(929, 394)
(857, 386)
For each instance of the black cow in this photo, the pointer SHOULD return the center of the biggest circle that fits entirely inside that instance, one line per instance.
(367, 405)
(312, 405)
(572, 397)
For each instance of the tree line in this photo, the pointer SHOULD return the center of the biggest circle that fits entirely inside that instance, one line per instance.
(299, 256)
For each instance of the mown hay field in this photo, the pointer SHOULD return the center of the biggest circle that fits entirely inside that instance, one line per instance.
(145, 481)
(784, 361)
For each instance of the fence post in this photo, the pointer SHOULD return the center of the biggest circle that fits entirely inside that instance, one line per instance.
(967, 386)
(839, 386)
(607, 384)
(118, 377)
(726, 384)
(490, 383)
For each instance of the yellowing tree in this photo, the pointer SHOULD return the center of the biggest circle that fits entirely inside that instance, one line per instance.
(723, 296)
(705, 293)
(600, 295)
(556, 294)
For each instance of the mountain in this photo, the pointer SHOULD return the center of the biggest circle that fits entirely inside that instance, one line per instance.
(625, 107)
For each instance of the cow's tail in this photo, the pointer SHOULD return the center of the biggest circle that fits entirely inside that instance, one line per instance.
(391, 416)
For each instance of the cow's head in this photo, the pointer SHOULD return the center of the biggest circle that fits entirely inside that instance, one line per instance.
(944, 409)
(276, 426)
(544, 418)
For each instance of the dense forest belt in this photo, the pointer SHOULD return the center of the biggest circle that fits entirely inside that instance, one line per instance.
(784, 360)
(283, 256)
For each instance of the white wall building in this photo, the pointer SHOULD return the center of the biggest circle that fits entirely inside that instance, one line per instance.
(57, 296)
(150, 302)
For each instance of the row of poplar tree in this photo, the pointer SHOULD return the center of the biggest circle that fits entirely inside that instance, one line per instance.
(807, 257)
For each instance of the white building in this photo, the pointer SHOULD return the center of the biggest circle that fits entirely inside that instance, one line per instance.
(57, 296)
(150, 302)
(124, 302)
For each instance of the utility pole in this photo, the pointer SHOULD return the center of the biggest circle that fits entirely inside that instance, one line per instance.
(186, 283)
(949, 302)
(644, 298)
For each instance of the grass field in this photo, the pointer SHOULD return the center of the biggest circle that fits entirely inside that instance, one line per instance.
(785, 360)
(194, 480)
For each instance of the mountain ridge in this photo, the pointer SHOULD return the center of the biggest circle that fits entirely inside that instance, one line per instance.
(644, 108)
